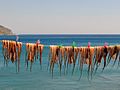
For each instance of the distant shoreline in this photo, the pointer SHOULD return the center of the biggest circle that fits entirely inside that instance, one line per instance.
(65, 34)
(61, 35)
(69, 34)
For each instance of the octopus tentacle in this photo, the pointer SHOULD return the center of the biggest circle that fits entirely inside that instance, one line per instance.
(119, 60)
(75, 58)
(99, 55)
(105, 50)
(115, 55)
(26, 56)
(40, 48)
(94, 57)
(81, 60)
(119, 56)
(61, 57)
(54, 57)
(111, 51)
(3, 51)
(65, 59)
(31, 66)
(49, 57)
(19, 50)
(90, 52)
(30, 48)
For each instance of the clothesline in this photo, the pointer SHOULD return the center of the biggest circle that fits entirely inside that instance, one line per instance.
(23, 43)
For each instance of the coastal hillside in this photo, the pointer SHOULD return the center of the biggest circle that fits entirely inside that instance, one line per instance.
(5, 31)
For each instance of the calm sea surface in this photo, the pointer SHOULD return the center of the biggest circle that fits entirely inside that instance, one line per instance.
(40, 79)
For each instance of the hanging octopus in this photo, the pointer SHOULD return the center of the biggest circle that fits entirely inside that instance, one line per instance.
(86, 57)
(113, 53)
(11, 50)
(53, 56)
(68, 58)
(66, 50)
(30, 54)
(61, 57)
(19, 50)
(105, 53)
(26, 55)
(5, 49)
(40, 50)
(101, 52)
(88, 52)
(82, 59)
(76, 52)
(98, 57)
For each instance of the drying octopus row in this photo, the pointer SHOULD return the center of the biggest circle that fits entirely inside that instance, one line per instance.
(92, 56)
(11, 51)
(63, 56)
(33, 52)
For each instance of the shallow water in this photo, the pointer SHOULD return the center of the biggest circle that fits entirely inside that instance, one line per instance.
(41, 79)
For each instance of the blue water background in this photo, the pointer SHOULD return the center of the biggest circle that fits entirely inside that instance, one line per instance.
(41, 79)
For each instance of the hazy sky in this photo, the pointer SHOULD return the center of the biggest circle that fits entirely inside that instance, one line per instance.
(60, 16)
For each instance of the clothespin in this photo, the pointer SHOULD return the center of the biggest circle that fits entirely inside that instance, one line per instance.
(105, 44)
(73, 44)
(17, 38)
(89, 44)
(38, 41)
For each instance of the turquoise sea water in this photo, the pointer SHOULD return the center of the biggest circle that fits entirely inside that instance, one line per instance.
(41, 79)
